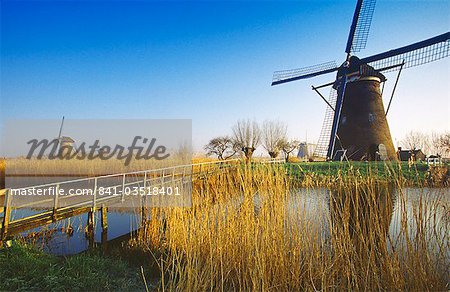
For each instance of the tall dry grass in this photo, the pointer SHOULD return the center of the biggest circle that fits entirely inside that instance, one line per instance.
(251, 229)
(84, 167)
(2, 173)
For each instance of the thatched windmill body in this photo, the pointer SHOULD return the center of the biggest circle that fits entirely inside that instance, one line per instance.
(355, 122)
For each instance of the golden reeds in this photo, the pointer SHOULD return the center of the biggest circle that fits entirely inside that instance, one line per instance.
(252, 229)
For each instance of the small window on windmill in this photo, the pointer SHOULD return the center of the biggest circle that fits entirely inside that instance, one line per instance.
(66, 145)
(371, 118)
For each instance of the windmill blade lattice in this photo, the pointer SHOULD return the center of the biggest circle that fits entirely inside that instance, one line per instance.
(324, 138)
(362, 28)
(413, 55)
(303, 73)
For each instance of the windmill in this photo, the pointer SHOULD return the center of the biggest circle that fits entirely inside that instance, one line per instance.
(355, 123)
(65, 143)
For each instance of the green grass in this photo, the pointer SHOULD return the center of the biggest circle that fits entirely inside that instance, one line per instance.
(412, 174)
(24, 268)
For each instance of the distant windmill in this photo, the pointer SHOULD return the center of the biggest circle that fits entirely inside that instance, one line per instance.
(65, 143)
(355, 122)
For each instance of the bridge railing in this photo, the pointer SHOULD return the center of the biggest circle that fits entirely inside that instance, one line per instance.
(120, 182)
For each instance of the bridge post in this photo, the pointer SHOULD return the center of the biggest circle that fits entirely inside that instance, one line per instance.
(144, 202)
(104, 212)
(104, 222)
(55, 203)
(144, 210)
(184, 175)
(94, 199)
(173, 177)
(6, 215)
(89, 231)
(90, 221)
(123, 187)
(90, 224)
(145, 182)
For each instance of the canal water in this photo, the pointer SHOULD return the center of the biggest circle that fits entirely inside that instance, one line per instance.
(314, 207)
(56, 238)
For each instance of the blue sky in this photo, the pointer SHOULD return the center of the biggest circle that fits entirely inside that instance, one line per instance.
(211, 62)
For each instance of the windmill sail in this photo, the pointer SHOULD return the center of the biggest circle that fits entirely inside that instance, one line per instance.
(284, 76)
(324, 138)
(359, 31)
(419, 53)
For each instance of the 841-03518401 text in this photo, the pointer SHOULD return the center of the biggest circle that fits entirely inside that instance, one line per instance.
(101, 191)
(139, 191)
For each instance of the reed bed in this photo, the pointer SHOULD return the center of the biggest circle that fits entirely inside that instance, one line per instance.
(85, 167)
(251, 228)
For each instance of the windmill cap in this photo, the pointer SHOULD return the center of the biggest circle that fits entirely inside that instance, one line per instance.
(65, 139)
(358, 69)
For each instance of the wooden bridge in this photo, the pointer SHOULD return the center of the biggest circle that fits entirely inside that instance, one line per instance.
(59, 206)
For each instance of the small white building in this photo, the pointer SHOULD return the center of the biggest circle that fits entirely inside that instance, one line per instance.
(434, 160)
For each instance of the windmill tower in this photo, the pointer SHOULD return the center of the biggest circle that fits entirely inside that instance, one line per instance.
(355, 124)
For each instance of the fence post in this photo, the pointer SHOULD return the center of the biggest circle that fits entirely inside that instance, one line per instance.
(94, 199)
(123, 187)
(55, 203)
(144, 201)
(184, 175)
(145, 180)
(6, 214)
(163, 173)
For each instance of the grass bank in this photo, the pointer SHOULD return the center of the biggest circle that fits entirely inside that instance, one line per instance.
(26, 268)
(416, 174)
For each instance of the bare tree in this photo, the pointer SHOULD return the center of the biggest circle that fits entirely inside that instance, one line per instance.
(288, 146)
(434, 143)
(416, 140)
(247, 135)
(444, 143)
(184, 152)
(272, 133)
(223, 147)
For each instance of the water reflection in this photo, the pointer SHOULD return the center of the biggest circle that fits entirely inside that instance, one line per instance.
(56, 239)
(374, 218)
(362, 213)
